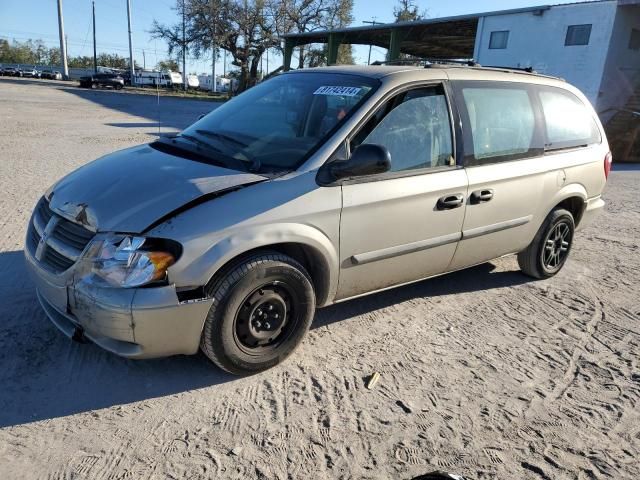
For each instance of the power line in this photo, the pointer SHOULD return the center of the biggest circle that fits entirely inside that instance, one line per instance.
(76, 43)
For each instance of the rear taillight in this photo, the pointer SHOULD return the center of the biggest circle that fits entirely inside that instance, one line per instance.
(608, 160)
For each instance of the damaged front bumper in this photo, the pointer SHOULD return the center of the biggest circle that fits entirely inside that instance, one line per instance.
(133, 323)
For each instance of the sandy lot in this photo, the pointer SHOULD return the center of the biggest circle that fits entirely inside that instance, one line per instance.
(484, 372)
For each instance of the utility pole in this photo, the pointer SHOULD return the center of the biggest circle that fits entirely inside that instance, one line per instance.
(95, 56)
(144, 61)
(372, 22)
(66, 43)
(132, 72)
(63, 46)
(214, 48)
(267, 61)
(184, 49)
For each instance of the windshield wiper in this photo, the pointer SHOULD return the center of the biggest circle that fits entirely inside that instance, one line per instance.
(222, 158)
(198, 142)
(223, 136)
(255, 163)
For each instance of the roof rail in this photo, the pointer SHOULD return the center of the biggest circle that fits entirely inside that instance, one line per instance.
(461, 62)
(517, 69)
(469, 62)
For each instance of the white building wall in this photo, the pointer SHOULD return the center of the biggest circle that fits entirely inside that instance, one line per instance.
(622, 69)
(538, 41)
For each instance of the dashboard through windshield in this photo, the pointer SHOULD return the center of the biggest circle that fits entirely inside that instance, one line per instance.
(277, 124)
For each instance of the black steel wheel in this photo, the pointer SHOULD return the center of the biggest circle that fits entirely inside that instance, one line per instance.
(262, 307)
(549, 250)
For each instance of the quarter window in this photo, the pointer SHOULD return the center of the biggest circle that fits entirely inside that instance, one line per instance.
(578, 35)
(415, 128)
(568, 122)
(502, 123)
(499, 40)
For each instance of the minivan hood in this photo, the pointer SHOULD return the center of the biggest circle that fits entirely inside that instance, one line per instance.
(127, 191)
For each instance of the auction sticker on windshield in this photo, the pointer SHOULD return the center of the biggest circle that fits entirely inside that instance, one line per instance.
(341, 91)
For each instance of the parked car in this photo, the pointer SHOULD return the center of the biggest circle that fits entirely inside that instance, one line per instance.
(311, 188)
(29, 72)
(51, 74)
(102, 80)
(10, 72)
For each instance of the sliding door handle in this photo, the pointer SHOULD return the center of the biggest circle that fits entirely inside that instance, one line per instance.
(481, 196)
(450, 201)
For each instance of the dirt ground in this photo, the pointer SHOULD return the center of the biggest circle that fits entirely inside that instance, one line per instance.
(484, 372)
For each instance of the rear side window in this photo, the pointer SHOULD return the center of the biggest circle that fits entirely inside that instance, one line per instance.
(501, 120)
(568, 122)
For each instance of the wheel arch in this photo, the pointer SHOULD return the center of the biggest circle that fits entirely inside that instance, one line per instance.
(572, 197)
(305, 244)
(309, 257)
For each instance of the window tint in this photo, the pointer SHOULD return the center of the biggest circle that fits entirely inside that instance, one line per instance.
(499, 40)
(578, 35)
(502, 123)
(415, 128)
(568, 122)
(634, 39)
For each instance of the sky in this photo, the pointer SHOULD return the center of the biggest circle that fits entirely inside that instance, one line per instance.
(38, 19)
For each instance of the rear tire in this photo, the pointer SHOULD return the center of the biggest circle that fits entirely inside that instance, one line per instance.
(262, 307)
(549, 250)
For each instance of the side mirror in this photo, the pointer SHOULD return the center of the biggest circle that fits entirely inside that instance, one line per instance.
(367, 159)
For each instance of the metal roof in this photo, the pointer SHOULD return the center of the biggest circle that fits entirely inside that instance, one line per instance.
(455, 18)
(416, 23)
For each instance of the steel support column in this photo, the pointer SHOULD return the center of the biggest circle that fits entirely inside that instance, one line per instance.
(288, 53)
(335, 40)
(397, 36)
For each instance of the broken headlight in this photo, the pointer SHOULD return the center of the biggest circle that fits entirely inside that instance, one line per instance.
(131, 261)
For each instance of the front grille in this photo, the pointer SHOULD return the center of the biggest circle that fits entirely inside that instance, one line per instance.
(72, 234)
(33, 238)
(64, 242)
(59, 262)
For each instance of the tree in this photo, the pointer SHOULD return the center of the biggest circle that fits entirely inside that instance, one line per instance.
(407, 11)
(241, 27)
(54, 57)
(168, 65)
(5, 50)
(299, 16)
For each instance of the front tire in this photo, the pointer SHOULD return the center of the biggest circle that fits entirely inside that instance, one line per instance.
(262, 308)
(549, 250)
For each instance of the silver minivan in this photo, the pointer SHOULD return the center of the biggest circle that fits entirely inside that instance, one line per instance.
(312, 188)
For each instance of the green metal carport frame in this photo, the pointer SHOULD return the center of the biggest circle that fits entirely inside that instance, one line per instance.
(446, 37)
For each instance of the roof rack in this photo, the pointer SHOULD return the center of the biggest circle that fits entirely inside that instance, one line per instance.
(517, 69)
(426, 62)
(461, 62)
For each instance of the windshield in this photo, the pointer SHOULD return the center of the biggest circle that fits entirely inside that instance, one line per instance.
(277, 124)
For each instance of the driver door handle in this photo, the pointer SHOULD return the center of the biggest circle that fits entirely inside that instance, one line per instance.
(481, 196)
(450, 201)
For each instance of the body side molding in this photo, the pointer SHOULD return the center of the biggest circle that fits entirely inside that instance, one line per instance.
(495, 227)
(367, 257)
